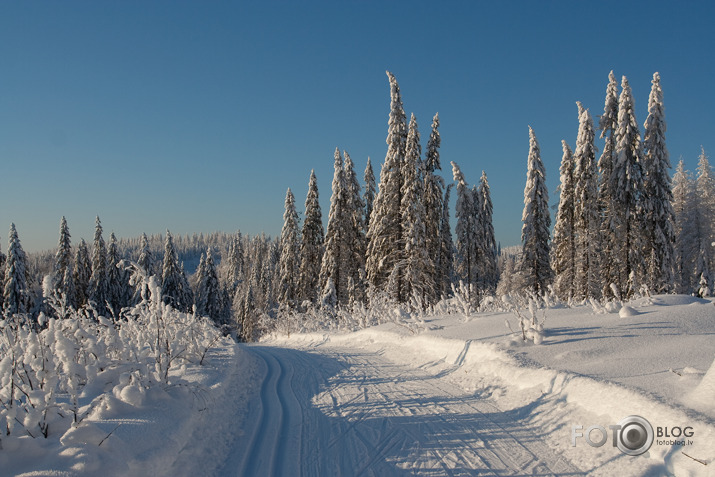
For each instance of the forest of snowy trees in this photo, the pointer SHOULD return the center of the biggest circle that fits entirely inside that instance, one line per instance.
(623, 227)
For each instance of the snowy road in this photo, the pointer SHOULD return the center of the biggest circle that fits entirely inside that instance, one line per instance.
(341, 411)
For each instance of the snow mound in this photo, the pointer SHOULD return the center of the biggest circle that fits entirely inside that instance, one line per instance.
(703, 396)
(627, 311)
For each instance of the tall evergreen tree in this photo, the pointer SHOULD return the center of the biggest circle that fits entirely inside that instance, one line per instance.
(658, 194)
(535, 266)
(370, 192)
(68, 287)
(332, 265)
(683, 210)
(564, 246)
(433, 192)
(385, 246)
(175, 289)
(607, 124)
(477, 244)
(117, 278)
(208, 290)
(3, 260)
(418, 267)
(704, 232)
(465, 230)
(98, 282)
(235, 264)
(311, 248)
(587, 279)
(446, 255)
(63, 259)
(489, 274)
(17, 297)
(146, 258)
(146, 264)
(186, 297)
(354, 243)
(82, 272)
(290, 248)
(627, 186)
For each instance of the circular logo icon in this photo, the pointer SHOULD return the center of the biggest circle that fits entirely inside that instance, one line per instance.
(635, 435)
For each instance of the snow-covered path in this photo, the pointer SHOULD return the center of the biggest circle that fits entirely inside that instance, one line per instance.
(342, 411)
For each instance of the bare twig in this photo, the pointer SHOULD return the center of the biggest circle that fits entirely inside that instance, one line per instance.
(107, 436)
(696, 460)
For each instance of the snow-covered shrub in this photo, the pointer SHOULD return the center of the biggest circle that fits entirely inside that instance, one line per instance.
(531, 328)
(46, 370)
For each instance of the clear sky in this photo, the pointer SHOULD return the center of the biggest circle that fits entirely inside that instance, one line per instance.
(197, 116)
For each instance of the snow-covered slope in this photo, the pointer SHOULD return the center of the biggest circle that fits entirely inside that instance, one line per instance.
(437, 395)
(592, 368)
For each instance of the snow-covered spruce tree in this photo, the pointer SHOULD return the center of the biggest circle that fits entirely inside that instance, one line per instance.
(355, 243)
(117, 278)
(146, 258)
(477, 244)
(418, 274)
(658, 195)
(82, 271)
(684, 211)
(385, 247)
(174, 286)
(235, 264)
(63, 260)
(563, 249)
(432, 198)
(289, 265)
(587, 280)
(311, 247)
(332, 266)
(627, 187)
(607, 125)
(3, 260)
(98, 283)
(145, 262)
(465, 261)
(17, 293)
(208, 291)
(187, 294)
(68, 287)
(509, 279)
(245, 314)
(705, 219)
(370, 192)
(535, 266)
(446, 249)
(488, 273)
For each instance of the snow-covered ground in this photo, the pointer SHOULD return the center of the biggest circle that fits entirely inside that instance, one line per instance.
(440, 395)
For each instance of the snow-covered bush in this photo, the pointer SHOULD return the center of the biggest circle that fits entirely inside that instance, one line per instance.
(54, 374)
(530, 327)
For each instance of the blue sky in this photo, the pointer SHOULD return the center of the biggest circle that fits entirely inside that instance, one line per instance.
(197, 116)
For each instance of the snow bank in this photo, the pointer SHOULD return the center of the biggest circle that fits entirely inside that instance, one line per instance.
(703, 397)
(655, 333)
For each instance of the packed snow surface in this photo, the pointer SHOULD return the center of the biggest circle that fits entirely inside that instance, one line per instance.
(426, 395)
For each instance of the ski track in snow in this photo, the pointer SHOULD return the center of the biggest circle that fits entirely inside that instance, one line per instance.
(349, 412)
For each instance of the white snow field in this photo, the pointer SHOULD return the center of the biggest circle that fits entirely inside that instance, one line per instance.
(441, 395)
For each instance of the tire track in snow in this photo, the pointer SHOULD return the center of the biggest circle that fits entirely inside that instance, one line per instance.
(349, 412)
(261, 457)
